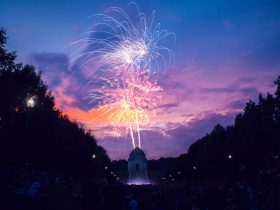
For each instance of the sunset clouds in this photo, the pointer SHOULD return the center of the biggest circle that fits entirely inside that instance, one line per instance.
(225, 54)
(194, 100)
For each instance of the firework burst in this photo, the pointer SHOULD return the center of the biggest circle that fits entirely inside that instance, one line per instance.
(125, 57)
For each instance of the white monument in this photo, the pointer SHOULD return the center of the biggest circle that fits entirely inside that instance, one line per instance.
(137, 167)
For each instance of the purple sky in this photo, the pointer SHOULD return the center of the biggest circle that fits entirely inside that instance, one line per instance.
(226, 52)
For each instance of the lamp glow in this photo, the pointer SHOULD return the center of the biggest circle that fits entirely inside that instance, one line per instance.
(30, 102)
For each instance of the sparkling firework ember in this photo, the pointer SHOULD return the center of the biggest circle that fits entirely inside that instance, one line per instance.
(125, 57)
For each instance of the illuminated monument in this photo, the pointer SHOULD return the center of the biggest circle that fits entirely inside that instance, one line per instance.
(137, 167)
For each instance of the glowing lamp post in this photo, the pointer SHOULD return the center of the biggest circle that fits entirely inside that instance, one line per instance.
(30, 102)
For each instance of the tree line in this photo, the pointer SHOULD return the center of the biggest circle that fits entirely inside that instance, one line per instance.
(41, 135)
(247, 149)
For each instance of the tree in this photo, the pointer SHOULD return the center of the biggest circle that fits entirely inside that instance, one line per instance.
(277, 94)
(6, 58)
(250, 145)
(277, 83)
(42, 135)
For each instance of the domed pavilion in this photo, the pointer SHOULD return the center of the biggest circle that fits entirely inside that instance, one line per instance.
(137, 167)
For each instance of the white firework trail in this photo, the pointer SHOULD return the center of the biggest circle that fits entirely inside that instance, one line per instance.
(125, 57)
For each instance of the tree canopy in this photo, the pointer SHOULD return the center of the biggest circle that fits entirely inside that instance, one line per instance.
(246, 148)
(41, 136)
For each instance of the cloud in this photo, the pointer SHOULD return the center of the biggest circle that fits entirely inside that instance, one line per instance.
(196, 97)
(238, 104)
(170, 141)
(62, 81)
(52, 65)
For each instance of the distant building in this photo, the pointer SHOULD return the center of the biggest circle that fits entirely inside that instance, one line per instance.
(137, 167)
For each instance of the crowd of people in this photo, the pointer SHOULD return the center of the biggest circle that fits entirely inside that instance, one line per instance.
(223, 194)
(27, 188)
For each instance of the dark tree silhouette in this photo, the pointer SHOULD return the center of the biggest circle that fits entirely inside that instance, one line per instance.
(40, 136)
(247, 148)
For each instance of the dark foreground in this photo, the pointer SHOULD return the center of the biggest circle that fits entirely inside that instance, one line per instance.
(34, 190)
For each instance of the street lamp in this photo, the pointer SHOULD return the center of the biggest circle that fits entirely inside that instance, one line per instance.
(229, 156)
(93, 156)
(30, 102)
